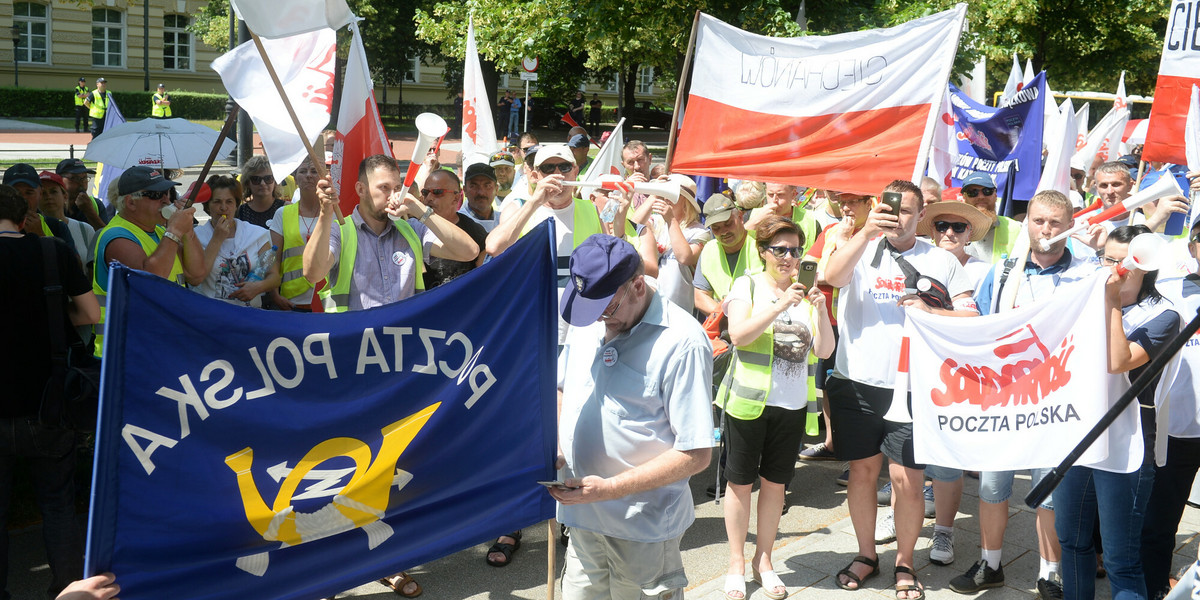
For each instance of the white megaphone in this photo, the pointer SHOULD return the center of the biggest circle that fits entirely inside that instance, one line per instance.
(1163, 188)
(662, 189)
(665, 189)
(430, 127)
(1146, 253)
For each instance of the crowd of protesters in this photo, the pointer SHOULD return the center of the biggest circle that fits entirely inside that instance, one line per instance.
(784, 275)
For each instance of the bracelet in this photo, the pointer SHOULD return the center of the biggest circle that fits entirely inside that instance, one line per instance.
(425, 217)
(167, 235)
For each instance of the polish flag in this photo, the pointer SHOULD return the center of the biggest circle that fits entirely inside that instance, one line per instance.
(268, 20)
(849, 112)
(478, 129)
(1177, 73)
(304, 64)
(608, 160)
(359, 130)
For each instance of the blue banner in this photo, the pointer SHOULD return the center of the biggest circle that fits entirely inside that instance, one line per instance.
(990, 138)
(244, 453)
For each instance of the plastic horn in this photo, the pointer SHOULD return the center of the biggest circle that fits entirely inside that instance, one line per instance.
(429, 128)
(1164, 187)
(664, 189)
(1146, 252)
(1094, 206)
(898, 411)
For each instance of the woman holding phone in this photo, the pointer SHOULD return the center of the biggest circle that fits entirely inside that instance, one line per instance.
(774, 322)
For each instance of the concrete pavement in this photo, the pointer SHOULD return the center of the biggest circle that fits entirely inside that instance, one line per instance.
(815, 541)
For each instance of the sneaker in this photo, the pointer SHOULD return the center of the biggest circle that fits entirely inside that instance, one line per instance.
(884, 496)
(885, 529)
(844, 479)
(817, 452)
(1048, 589)
(942, 552)
(978, 577)
(930, 508)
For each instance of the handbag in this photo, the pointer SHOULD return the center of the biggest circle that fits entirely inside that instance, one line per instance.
(71, 396)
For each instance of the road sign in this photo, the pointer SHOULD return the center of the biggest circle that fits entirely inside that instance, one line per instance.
(529, 64)
(529, 76)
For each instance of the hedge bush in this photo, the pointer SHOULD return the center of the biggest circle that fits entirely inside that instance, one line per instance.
(32, 102)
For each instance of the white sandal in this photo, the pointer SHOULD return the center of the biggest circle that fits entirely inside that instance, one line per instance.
(735, 583)
(769, 581)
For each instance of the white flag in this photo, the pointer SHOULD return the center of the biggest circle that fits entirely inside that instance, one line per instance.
(1104, 139)
(944, 149)
(304, 64)
(1029, 74)
(1121, 101)
(1060, 141)
(608, 160)
(1081, 124)
(1191, 132)
(1014, 84)
(273, 19)
(478, 129)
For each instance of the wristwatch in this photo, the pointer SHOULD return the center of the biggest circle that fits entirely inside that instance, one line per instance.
(425, 217)
(167, 235)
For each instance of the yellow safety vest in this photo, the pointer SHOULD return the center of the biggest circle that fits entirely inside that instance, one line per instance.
(292, 255)
(79, 89)
(157, 109)
(1006, 233)
(808, 225)
(716, 268)
(99, 104)
(337, 299)
(149, 245)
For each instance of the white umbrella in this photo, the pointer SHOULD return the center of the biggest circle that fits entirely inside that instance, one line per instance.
(163, 143)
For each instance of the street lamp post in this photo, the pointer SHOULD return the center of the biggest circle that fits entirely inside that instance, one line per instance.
(15, 31)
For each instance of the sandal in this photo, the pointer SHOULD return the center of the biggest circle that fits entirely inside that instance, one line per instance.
(770, 582)
(506, 549)
(398, 582)
(855, 579)
(735, 583)
(915, 586)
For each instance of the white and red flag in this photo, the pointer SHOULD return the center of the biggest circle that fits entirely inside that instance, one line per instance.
(1081, 125)
(943, 151)
(849, 112)
(359, 130)
(1177, 73)
(478, 129)
(273, 19)
(608, 159)
(304, 64)
(1059, 140)
(1016, 389)
(1104, 139)
(1014, 83)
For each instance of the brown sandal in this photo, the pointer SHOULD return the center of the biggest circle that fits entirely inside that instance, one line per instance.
(398, 583)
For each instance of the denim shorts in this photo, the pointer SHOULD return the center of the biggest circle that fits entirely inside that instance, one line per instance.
(996, 486)
(943, 474)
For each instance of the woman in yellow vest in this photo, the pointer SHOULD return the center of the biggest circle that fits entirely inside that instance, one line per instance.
(774, 322)
(291, 226)
(160, 105)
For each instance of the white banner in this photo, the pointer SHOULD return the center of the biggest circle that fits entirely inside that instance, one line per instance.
(608, 160)
(1012, 390)
(272, 19)
(478, 128)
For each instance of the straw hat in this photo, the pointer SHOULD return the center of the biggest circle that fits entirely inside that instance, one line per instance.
(980, 223)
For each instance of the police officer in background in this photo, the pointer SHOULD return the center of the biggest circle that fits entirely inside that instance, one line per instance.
(161, 104)
(97, 103)
(81, 111)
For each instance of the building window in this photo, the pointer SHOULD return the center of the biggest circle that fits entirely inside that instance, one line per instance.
(413, 73)
(612, 85)
(107, 42)
(177, 43)
(646, 80)
(504, 79)
(33, 20)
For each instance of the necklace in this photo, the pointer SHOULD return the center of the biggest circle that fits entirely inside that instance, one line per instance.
(308, 226)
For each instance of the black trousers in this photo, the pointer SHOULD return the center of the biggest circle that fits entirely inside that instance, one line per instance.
(81, 116)
(1172, 486)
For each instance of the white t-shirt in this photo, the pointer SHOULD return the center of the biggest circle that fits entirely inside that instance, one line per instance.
(793, 338)
(675, 278)
(238, 257)
(870, 323)
(564, 225)
(306, 227)
(976, 270)
(1183, 414)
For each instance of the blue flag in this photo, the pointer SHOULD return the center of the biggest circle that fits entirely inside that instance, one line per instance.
(244, 453)
(107, 174)
(990, 139)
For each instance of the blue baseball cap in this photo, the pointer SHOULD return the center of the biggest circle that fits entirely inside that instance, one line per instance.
(22, 173)
(599, 267)
(979, 179)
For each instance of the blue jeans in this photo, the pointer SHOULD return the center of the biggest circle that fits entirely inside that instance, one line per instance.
(1119, 500)
(514, 123)
(51, 457)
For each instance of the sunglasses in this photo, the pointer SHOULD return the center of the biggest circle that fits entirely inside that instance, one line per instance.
(782, 251)
(1195, 239)
(436, 191)
(259, 180)
(153, 195)
(979, 191)
(942, 226)
(550, 168)
(500, 156)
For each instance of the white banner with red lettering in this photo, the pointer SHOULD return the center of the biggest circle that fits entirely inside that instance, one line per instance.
(1013, 390)
(1177, 73)
(849, 112)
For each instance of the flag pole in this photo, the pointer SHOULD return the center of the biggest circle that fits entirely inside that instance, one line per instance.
(229, 121)
(550, 560)
(318, 163)
(684, 75)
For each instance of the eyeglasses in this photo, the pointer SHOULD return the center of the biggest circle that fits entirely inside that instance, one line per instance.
(972, 193)
(609, 312)
(261, 179)
(782, 251)
(437, 191)
(77, 177)
(153, 195)
(550, 168)
(1195, 239)
(942, 226)
(1108, 262)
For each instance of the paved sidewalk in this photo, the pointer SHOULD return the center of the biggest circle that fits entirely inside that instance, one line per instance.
(816, 540)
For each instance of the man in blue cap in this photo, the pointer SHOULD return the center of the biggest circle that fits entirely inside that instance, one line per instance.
(24, 178)
(979, 190)
(634, 425)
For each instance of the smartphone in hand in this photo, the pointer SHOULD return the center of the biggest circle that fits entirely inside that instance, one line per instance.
(808, 274)
(892, 200)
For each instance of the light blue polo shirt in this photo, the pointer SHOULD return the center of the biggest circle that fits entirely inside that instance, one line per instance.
(625, 403)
